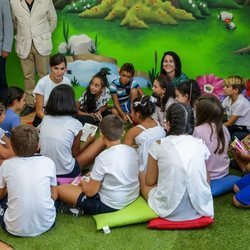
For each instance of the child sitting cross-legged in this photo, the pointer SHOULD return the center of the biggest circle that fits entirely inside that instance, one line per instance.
(29, 179)
(175, 184)
(113, 182)
(146, 132)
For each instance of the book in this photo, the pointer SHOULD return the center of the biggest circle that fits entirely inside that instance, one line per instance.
(88, 129)
(78, 179)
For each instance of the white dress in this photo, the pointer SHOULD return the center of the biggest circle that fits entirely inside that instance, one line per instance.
(144, 140)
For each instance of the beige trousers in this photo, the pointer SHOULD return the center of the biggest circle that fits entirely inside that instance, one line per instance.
(34, 63)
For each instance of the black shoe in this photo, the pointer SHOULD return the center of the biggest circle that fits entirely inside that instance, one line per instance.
(65, 209)
(27, 110)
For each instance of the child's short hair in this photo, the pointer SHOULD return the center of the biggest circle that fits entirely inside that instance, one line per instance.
(61, 101)
(112, 127)
(129, 67)
(24, 140)
(236, 82)
(2, 108)
(57, 59)
(13, 93)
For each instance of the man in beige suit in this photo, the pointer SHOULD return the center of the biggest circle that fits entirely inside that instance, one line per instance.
(34, 21)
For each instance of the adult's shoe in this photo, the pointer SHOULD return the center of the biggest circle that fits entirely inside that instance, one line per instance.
(27, 110)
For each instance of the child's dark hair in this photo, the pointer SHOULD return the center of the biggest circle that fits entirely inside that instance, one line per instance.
(165, 83)
(24, 140)
(177, 62)
(112, 127)
(209, 110)
(61, 101)
(181, 119)
(236, 82)
(90, 102)
(12, 94)
(2, 108)
(57, 59)
(129, 67)
(190, 88)
(144, 106)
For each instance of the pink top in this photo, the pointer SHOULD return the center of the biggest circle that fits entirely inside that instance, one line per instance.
(217, 164)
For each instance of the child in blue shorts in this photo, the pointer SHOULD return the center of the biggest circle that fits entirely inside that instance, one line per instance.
(123, 91)
(242, 190)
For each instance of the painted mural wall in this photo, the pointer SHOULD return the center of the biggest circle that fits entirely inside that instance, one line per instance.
(210, 36)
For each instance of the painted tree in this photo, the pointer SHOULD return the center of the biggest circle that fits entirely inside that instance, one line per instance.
(137, 13)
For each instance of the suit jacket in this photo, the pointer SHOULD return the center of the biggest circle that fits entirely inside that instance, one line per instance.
(6, 26)
(36, 25)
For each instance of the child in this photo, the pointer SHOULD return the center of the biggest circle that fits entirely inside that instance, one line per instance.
(175, 184)
(92, 105)
(146, 132)
(236, 106)
(187, 92)
(242, 190)
(163, 90)
(124, 90)
(5, 147)
(30, 180)
(210, 128)
(60, 134)
(14, 102)
(113, 182)
(58, 66)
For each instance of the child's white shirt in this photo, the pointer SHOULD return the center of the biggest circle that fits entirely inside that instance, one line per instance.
(45, 85)
(57, 134)
(182, 178)
(117, 168)
(31, 209)
(241, 108)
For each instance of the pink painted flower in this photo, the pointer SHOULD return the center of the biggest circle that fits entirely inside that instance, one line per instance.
(211, 84)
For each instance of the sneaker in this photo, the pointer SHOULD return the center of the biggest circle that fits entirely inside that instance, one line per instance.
(65, 209)
(27, 110)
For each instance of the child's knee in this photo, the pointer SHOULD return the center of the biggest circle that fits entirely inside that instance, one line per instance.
(235, 188)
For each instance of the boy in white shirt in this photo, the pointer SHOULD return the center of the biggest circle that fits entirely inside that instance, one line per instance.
(236, 106)
(29, 179)
(113, 182)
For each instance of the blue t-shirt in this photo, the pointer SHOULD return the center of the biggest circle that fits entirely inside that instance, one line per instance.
(11, 120)
(121, 90)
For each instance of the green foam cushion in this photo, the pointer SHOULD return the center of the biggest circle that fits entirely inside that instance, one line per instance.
(136, 212)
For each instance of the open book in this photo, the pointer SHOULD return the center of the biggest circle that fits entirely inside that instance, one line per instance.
(88, 129)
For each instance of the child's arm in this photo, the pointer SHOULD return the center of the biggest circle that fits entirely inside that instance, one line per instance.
(242, 155)
(130, 136)
(152, 171)
(91, 187)
(39, 105)
(231, 121)
(118, 107)
(6, 149)
(54, 194)
(76, 147)
(3, 192)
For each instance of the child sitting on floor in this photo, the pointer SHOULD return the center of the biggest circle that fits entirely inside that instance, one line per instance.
(29, 179)
(148, 130)
(5, 147)
(175, 184)
(210, 128)
(113, 182)
(163, 90)
(60, 134)
(123, 90)
(92, 105)
(236, 106)
(14, 102)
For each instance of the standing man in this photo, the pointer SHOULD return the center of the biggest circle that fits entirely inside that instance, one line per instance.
(34, 21)
(6, 38)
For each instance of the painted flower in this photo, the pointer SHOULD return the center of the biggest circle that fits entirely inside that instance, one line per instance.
(211, 84)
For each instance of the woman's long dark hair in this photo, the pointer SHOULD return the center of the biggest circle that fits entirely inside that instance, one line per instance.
(89, 99)
(165, 83)
(209, 110)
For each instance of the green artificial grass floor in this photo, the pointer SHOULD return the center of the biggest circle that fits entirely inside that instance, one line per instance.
(230, 231)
